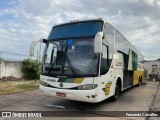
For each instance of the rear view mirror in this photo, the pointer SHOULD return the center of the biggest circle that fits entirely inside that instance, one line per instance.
(34, 43)
(98, 42)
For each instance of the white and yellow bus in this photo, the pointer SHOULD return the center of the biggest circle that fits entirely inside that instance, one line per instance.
(88, 60)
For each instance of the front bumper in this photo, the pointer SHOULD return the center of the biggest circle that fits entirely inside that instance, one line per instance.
(77, 95)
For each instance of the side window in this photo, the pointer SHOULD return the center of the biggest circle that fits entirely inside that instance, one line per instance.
(49, 55)
(109, 36)
(119, 42)
(104, 60)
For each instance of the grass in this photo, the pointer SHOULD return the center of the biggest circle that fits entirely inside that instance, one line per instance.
(11, 87)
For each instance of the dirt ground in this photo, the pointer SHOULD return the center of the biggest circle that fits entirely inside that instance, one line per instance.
(143, 98)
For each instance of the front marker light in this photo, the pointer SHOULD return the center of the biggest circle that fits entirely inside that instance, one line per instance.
(87, 87)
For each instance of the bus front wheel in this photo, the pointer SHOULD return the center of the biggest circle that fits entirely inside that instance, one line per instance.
(117, 92)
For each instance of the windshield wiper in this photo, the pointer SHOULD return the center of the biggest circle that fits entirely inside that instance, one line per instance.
(71, 66)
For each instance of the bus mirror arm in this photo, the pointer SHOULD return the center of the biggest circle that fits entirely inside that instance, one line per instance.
(33, 45)
(98, 42)
(44, 40)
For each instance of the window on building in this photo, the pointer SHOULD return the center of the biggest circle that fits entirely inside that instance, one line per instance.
(154, 69)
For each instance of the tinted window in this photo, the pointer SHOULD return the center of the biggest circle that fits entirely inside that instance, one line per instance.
(109, 36)
(78, 29)
(104, 60)
(119, 42)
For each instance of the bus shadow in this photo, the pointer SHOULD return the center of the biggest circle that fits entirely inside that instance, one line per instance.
(136, 86)
(76, 105)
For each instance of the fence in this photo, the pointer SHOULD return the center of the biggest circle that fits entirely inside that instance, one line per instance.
(10, 65)
(10, 68)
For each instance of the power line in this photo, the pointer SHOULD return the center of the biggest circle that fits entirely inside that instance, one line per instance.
(11, 56)
(11, 53)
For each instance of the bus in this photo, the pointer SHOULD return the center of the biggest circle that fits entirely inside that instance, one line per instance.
(89, 61)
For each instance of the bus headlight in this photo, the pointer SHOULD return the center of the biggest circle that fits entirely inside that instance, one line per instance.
(87, 87)
(43, 83)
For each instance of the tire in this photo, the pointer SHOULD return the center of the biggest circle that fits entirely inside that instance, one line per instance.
(117, 92)
(140, 81)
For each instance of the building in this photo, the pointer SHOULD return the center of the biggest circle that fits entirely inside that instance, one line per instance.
(152, 69)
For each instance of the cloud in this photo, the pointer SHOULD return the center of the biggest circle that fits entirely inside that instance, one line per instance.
(23, 21)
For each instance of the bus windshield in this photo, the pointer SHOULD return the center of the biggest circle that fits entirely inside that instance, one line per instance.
(71, 57)
(77, 29)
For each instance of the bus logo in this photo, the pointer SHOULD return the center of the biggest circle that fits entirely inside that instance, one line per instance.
(51, 80)
(61, 84)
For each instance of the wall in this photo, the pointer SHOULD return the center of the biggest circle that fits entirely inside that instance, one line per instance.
(148, 68)
(10, 68)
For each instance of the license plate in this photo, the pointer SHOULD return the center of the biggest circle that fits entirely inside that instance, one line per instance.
(61, 94)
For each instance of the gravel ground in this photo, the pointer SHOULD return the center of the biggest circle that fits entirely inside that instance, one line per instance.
(8, 100)
(156, 104)
(142, 98)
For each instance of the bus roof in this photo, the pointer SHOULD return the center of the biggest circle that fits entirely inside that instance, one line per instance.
(105, 21)
(83, 20)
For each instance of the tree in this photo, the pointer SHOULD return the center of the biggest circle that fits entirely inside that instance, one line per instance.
(31, 69)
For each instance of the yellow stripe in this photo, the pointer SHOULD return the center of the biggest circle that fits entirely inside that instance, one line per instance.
(78, 80)
(107, 88)
(136, 77)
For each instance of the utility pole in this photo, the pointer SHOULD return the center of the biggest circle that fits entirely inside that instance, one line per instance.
(37, 56)
(0, 63)
(40, 53)
(0, 54)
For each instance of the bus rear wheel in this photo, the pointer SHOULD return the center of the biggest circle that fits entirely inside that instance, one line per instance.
(117, 92)
(139, 81)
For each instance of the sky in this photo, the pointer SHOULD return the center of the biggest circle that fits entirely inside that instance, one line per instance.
(22, 21)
